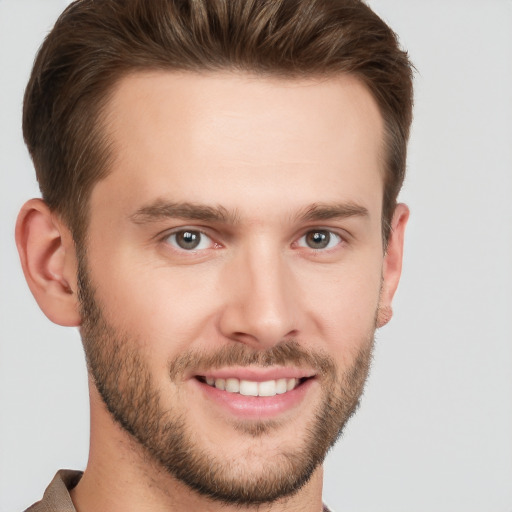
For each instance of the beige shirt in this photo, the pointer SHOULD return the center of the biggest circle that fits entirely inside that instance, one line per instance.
(56, 498)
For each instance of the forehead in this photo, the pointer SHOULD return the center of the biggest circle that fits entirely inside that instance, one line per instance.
(187, 132)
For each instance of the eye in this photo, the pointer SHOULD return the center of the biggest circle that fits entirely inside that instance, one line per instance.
(319, 239)
(189, 240)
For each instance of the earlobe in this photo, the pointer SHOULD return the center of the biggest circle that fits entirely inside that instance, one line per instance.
(392, 267)
(48, 258)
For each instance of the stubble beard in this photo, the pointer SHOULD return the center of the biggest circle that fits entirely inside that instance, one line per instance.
(125, 383)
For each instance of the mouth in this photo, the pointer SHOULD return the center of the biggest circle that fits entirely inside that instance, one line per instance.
(267, 388)
(252, 393)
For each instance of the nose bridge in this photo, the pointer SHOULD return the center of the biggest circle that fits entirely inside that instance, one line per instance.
(262, 309)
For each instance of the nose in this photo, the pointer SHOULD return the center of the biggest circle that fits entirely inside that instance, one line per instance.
(260, 307)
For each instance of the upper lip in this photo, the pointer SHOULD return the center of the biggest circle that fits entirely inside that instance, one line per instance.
(257, 374)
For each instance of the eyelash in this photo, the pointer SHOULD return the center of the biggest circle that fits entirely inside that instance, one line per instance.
(331, 236)
(170, 239)
(174, 243)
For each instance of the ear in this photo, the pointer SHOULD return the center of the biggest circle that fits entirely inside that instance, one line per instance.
(392, 267)
(48, 257)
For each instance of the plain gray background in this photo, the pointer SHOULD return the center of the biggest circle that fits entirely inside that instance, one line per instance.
(434, 433)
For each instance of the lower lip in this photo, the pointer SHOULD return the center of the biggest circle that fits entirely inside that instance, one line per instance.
(256, 407)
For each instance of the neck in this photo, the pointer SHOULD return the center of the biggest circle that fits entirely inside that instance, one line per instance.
(120, 476)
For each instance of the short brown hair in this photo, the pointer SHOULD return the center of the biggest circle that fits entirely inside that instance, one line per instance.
(95, 43)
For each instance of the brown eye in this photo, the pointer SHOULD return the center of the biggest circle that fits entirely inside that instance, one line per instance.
(189, 240)
(319, 239)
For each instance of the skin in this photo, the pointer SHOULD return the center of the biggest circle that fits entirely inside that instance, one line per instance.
(267, 151)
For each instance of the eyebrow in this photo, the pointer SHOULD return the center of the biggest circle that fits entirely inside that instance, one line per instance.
(160, 210)
(320, 211)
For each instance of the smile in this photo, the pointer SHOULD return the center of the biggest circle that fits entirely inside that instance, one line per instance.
(253, 388)
(256, 393)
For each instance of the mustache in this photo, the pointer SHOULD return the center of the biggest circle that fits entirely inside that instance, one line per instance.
(285, 353)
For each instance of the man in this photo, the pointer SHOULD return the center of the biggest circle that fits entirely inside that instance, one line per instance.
(219, 218)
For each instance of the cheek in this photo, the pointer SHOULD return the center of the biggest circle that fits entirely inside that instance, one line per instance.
(167, 310)
(344, 302)
(160, 307)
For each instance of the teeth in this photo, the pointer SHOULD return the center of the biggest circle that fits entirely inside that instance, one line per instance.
(281, 386)
(252, 388)
(248, 388)
(267, 388)
(232, 385)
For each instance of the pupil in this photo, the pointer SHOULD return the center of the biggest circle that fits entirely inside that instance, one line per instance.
(188, 239)
(318, 239)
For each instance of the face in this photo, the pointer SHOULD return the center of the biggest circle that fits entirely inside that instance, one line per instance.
(233, 271)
